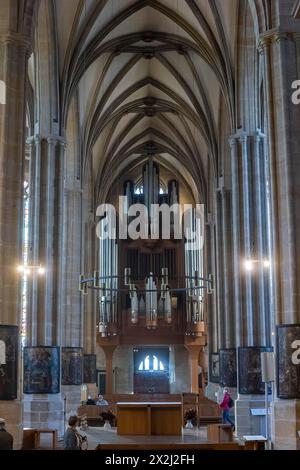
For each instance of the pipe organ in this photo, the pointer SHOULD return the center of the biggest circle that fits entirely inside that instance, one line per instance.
(108, 298)
(151, 284)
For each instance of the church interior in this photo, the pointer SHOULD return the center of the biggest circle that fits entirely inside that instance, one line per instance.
(179, 327)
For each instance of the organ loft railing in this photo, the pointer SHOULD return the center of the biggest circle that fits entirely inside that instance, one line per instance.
(153, 299)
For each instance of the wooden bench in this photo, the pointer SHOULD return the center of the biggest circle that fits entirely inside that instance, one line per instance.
(91, 414)
(208, 412)
(38, 433)
(219, 433)
(32, 438)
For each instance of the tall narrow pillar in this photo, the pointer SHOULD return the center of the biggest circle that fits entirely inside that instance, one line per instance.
(44, 410)
(14, 54)
(250, 245)
(280, 58)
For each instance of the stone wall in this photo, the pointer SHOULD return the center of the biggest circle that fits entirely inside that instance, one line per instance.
(123, 368)
(44, 412)
(179, 365)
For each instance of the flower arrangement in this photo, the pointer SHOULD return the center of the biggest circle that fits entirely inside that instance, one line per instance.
(190, 414)
(108, 416)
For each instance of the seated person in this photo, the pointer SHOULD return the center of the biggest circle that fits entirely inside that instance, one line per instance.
(90, 401)
(101, 401)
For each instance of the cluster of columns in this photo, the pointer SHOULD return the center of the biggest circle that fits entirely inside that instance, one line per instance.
(14, 55)
(257, 217)
(54, 308)
(280, 52)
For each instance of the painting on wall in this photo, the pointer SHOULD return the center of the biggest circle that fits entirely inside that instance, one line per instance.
(214, 368)
(41, 369)
(288, 361)
(89, 369)
(72, 366)
(250, 379)
(228, 367)
(8, 362)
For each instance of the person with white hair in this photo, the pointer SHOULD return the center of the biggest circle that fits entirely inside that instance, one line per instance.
(101, 401)
(6, 439)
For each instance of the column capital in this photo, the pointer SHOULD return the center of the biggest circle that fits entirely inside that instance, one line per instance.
(17, 40)
(232, 141)
(241, 136)
(34, 139)
(61, 141)
(223, 191)
(258, 135)
(51, 139)
(273, 36)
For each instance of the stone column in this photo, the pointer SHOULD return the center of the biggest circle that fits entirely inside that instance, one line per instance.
(235, 172)
(220, 272)
(14, 54)
(212, 310)
(89, 302)
(225, 311)
(72, 322)
(281, 68)
(250, 234)
(71, 261)
(44, 410)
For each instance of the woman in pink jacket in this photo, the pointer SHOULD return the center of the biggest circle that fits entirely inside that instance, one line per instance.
(226, 404)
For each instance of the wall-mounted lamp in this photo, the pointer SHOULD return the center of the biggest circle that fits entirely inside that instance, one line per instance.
(27, 270)
(249, 264)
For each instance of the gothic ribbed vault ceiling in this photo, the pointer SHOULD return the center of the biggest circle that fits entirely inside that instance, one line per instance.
(149, 76)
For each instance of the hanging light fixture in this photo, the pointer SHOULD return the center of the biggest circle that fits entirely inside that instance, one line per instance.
(158, 300)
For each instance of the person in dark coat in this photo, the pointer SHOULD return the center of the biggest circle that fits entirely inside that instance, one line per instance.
(6, 439)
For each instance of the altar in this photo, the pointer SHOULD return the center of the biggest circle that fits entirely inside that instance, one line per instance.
(149, 418)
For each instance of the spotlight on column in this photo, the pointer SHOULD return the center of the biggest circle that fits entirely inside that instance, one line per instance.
(41, 270)
(248, 265)
(266, 263)
(27, 271)
(21, 269)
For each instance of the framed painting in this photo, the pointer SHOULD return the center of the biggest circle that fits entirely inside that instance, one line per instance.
(288, 361)
(228, 367)
(89, 369)
(214, 368)
(249, 365)
(72, 366)
(41, 369)
(9, 335)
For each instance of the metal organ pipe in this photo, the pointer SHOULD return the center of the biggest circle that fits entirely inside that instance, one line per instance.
(151, 303)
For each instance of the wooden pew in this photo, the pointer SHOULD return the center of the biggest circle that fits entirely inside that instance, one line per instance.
(208, 412)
